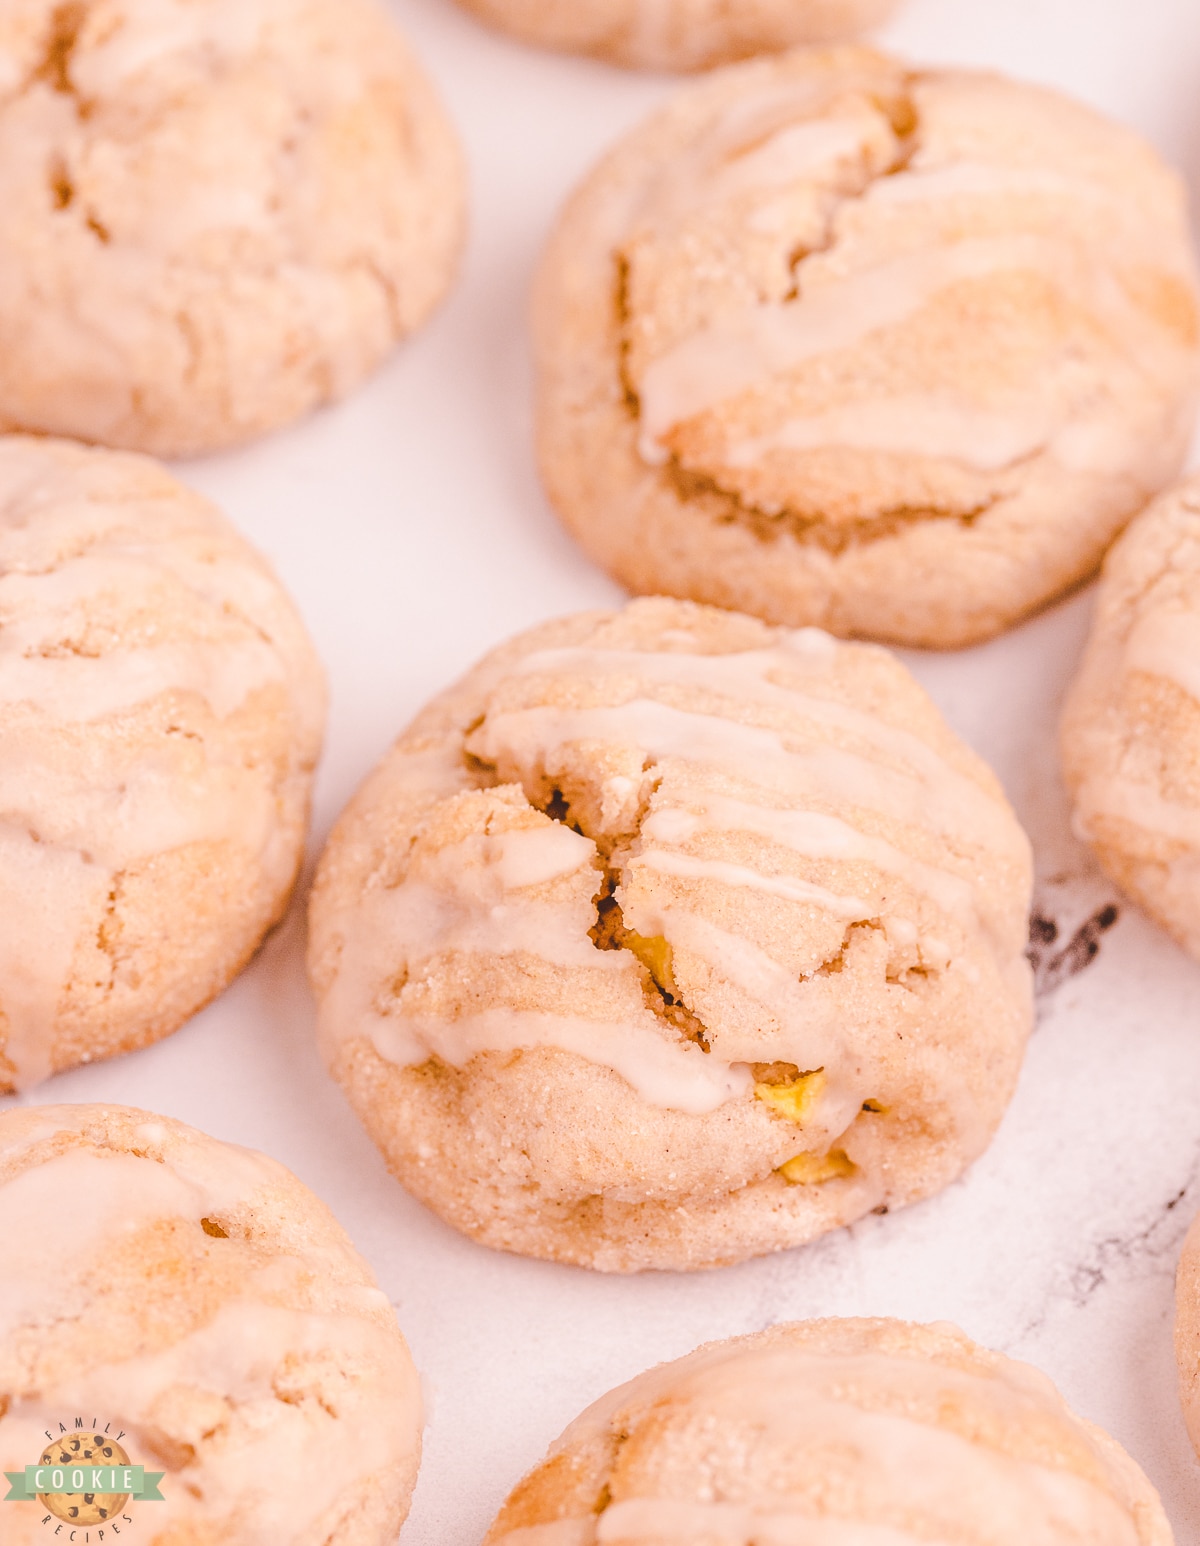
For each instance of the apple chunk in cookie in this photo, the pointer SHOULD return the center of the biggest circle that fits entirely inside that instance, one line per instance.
(667, 938)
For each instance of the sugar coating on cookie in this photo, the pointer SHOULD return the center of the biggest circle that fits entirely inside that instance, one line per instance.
(217, 213)
(198, 1299)
(837, 1432)
(667, 938)
(1131, 727)
(680, 34)
(161, 713)
(896, 352)
(1187, 1332)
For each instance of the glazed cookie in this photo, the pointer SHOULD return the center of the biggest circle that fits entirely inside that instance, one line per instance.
(1131, 730)
(209, 1314)
(217, 213)
(161, 711)
(680, 34)
(667, 938)
(895, 352)
(1187, 1332)
(871, 1432)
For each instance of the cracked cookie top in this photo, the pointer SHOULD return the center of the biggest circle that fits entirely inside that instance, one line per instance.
(1131, 727)
(838, 1432)
(161, 713)
(740, 874)
(850, 324)
(217, 213)
(214, 1312)
(680, 34)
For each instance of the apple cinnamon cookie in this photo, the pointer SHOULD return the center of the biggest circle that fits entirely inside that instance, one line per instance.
(835, 341)
(1187, 1332)
(218, 214)
(161, 713)
(679, 34)
(871, 1431)
(667, 938)
(1131, 728)
(209, 1315)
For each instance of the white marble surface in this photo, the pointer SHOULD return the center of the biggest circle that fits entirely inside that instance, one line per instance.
(409, 524)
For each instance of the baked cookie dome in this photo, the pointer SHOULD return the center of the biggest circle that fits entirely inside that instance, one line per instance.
(666, 938)
(1187, 1331)
(200, 1300)
(679, 34)
(218, 214)
(896, 352)
(830, 1431)
(1131, 727)
(161, 713)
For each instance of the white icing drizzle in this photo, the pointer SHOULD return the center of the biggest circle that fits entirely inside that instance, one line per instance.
(690, 866)
(82, 687)
(807, 151)
(69, 824)
(665, 1070)
(913, 424)
(928, 1483)
(282, 1467)
(491, 894)
(1164, 643)
(931, 794)
(745, 350)
(1167, 644)
(114, 1193)
(799, 1023)
(1139, 803)
(47, 896)
(279, 1466)
(922, 183)
(539, 854)
(466, 898)
(816, 836)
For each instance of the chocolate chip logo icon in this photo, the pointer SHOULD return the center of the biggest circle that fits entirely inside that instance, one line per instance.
(84, 1479)
(87, 1451)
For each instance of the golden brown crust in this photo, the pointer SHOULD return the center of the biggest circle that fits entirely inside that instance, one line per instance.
(748, 996)
(218, 213)
(679, 34)
(213, 1310)
(836, 341)
(1131, 725)
(862, 1424)
(162, 716)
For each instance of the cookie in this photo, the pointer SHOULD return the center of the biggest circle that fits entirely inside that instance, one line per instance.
(1131, 727)
(1187, 1331)
(666, 938)
(831, 1431)
(218, 214)
(161, 713)
(679, 34)
(197, 1307)
(836, 341)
